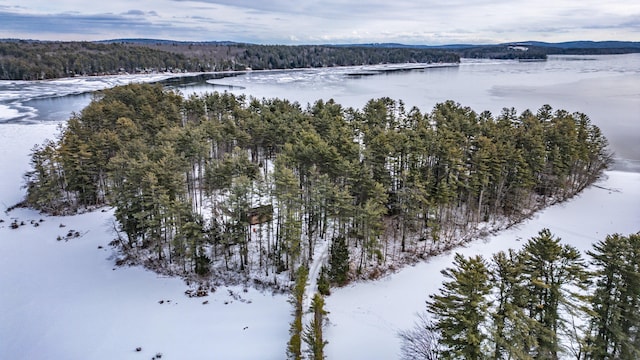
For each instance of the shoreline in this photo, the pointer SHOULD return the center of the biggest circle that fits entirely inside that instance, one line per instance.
(227, 73)
(372, 310)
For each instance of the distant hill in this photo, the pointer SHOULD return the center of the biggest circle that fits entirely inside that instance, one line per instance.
(406, 46)
(142, 41)
(561, 45)
(540, 47)
(587, 44)
(524, 50)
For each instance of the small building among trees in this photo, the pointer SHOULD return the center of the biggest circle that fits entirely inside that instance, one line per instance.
(260, 214)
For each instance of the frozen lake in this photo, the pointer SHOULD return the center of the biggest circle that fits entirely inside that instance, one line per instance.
(606, 88)
(66, 300)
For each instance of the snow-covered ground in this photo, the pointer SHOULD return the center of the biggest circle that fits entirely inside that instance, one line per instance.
(366, 317)
(67, 300)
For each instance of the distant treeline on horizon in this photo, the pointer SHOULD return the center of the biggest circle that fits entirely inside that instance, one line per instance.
(37, 60)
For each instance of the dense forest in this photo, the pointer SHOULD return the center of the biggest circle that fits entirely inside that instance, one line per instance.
(535, 51)
(220, 185)
(504, 52)
(34, 60)
(22, 60)
(528, 50)
(542, 302)
(37, 60)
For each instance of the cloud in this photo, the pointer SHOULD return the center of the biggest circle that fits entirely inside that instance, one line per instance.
(67, 26)
(66, 23)
(325, 21)
(135, 13)
(633, 23)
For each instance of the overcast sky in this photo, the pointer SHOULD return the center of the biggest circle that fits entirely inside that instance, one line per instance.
(324, 21)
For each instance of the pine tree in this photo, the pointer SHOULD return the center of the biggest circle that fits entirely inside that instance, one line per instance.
(511, 335)
(339, 261)
(294, 351)
(615, 303)
(555, 279)
(324, 285)
(44, 182)
(287, 192)
(460, 308)
(313, 332)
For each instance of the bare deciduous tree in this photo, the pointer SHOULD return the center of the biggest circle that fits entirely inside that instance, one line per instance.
(421, 341)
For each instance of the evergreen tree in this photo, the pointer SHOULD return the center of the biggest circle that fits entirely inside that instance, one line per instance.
(615, 303)
(555, 278)
(287, 192)
(313, 332)
(511, 327)
(339, 261)
(460, 307)
(44, 183)
(324, 285)
(294, 351)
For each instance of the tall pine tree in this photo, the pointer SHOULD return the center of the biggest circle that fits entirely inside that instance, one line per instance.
(615, 304)
(555, 276)
(460, 309)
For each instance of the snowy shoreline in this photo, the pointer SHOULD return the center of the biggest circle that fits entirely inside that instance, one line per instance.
(610, 206)
(63, 299)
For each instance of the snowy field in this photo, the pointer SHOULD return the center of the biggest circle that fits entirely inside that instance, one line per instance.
(67, 300)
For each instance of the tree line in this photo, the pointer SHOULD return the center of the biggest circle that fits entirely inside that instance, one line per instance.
(221, 184)
(22, 60)
(35, 60)
(264, 57)
(542, 302)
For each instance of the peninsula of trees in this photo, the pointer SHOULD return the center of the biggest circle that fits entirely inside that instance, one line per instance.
(219, 184)
(35, 60)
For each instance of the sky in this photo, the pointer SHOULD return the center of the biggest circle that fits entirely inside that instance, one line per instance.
(429, 22)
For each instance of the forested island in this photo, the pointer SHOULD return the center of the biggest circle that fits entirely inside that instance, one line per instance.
(38, 60)
(224, 188)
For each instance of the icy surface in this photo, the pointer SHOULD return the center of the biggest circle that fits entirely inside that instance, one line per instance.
(16, 97)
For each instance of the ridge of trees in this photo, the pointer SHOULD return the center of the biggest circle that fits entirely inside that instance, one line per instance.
(542, 302)
(35, 60)
(384, 184)
(535, 51)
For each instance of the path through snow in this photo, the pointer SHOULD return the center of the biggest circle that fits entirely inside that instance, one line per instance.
(321, 254)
